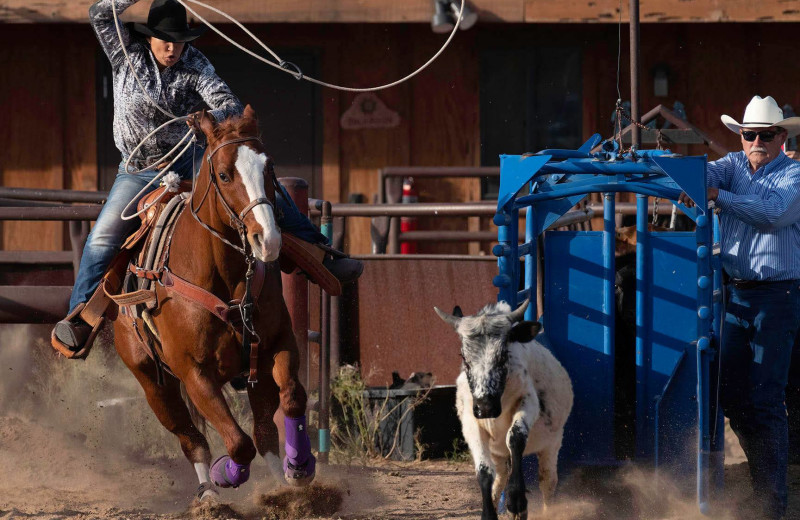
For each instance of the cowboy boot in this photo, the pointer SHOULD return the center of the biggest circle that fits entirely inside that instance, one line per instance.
(345, 269)
(73, 333)
(299, 465)
(325, 266)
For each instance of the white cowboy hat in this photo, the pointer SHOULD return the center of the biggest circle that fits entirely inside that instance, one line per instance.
(763, 113)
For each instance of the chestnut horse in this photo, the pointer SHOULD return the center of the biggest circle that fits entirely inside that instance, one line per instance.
(233, 202)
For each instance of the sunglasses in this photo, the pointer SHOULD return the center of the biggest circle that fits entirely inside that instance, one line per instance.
(766, 135)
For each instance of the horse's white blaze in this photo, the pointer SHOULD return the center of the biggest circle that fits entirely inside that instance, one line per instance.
(250, 166)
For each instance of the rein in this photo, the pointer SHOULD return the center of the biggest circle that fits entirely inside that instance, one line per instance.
(236, 220)
(250, 338)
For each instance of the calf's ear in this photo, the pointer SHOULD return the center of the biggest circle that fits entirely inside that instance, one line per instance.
(457, 312)
(524, 331)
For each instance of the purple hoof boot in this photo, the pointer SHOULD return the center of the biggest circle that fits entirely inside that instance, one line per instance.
(299, 465)
(226, 473)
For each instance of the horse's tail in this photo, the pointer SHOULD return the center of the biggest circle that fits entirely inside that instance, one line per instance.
(197, 418)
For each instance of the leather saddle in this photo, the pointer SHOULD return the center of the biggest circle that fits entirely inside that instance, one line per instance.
(296, 255)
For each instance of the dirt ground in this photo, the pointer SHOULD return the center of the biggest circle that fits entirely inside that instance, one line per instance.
(77, 441)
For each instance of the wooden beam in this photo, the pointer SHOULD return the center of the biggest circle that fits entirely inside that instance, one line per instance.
(420, 11)
(258, 11)
(578, 11)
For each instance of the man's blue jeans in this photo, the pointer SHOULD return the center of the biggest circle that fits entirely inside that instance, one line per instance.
(757, 339)
(110, 230)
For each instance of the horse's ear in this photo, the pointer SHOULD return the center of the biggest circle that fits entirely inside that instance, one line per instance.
(250, 126)
(203, 122)
(524, 331)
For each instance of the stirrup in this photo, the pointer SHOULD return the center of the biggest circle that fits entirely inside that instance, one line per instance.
(67, 352)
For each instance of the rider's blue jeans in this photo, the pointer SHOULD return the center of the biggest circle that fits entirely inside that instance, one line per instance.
(110, 230)
(757, 340)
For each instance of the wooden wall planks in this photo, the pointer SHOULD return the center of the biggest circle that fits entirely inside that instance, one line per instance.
(32, 103)
(49, 113)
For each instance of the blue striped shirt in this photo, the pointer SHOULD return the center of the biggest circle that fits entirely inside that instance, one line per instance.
(760, 218)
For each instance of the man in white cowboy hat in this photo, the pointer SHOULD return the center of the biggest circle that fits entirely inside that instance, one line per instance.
(758, 193)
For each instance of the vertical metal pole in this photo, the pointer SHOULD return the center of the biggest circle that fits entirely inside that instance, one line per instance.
(705, 285)
(507, 253)
(295, 287)
(533, 310)
(326, 228)
(643, 417)
(609, 279)
(634, 36)
(717, 420)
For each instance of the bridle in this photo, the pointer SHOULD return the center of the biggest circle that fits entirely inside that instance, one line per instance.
(237, 221)
(250, 338)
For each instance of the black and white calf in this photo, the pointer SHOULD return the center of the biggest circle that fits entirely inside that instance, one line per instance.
(513, 398)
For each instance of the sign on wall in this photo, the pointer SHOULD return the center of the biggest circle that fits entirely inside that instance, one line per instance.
(369, 111)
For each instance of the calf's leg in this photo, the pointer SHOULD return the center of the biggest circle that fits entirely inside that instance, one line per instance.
(502, 465)
(548, 468)
(478, 442)
(516, 440)
(517, 501)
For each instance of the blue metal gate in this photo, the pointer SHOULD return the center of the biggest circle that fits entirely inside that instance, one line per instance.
(676, 277)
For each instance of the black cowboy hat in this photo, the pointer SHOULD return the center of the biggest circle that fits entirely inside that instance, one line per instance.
(167, 21)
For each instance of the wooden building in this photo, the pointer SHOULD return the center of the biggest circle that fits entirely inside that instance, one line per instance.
(530, 74)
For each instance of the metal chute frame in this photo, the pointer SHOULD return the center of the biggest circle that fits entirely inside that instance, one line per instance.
(556, 181)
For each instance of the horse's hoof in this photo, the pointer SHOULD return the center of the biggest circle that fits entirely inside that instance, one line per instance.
(298, 448)
(207, 492)
(226, 473)
(299, 475)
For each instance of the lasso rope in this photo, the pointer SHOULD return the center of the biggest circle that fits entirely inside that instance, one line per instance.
(282, 65)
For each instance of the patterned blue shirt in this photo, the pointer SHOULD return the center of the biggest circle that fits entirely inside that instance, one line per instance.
(180, 89)
(760, 218)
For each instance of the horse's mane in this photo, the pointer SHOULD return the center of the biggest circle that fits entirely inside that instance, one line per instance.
(235, 124)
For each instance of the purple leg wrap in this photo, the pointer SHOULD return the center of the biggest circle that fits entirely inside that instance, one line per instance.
(226, 473)
(299, 466)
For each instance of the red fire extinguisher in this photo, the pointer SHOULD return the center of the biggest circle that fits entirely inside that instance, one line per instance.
(410, 195)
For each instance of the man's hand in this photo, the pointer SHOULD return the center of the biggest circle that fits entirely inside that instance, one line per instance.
(793, 154)
(194, 119)
(684, 199)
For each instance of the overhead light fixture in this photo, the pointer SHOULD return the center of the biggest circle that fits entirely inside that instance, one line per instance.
(446, 13)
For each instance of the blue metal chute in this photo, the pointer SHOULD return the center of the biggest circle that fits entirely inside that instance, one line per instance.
(589, 145)
(675, 281)
(519, 171)
(687, 172)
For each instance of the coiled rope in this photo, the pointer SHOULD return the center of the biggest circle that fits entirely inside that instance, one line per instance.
(281, 65)
(284, 65)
